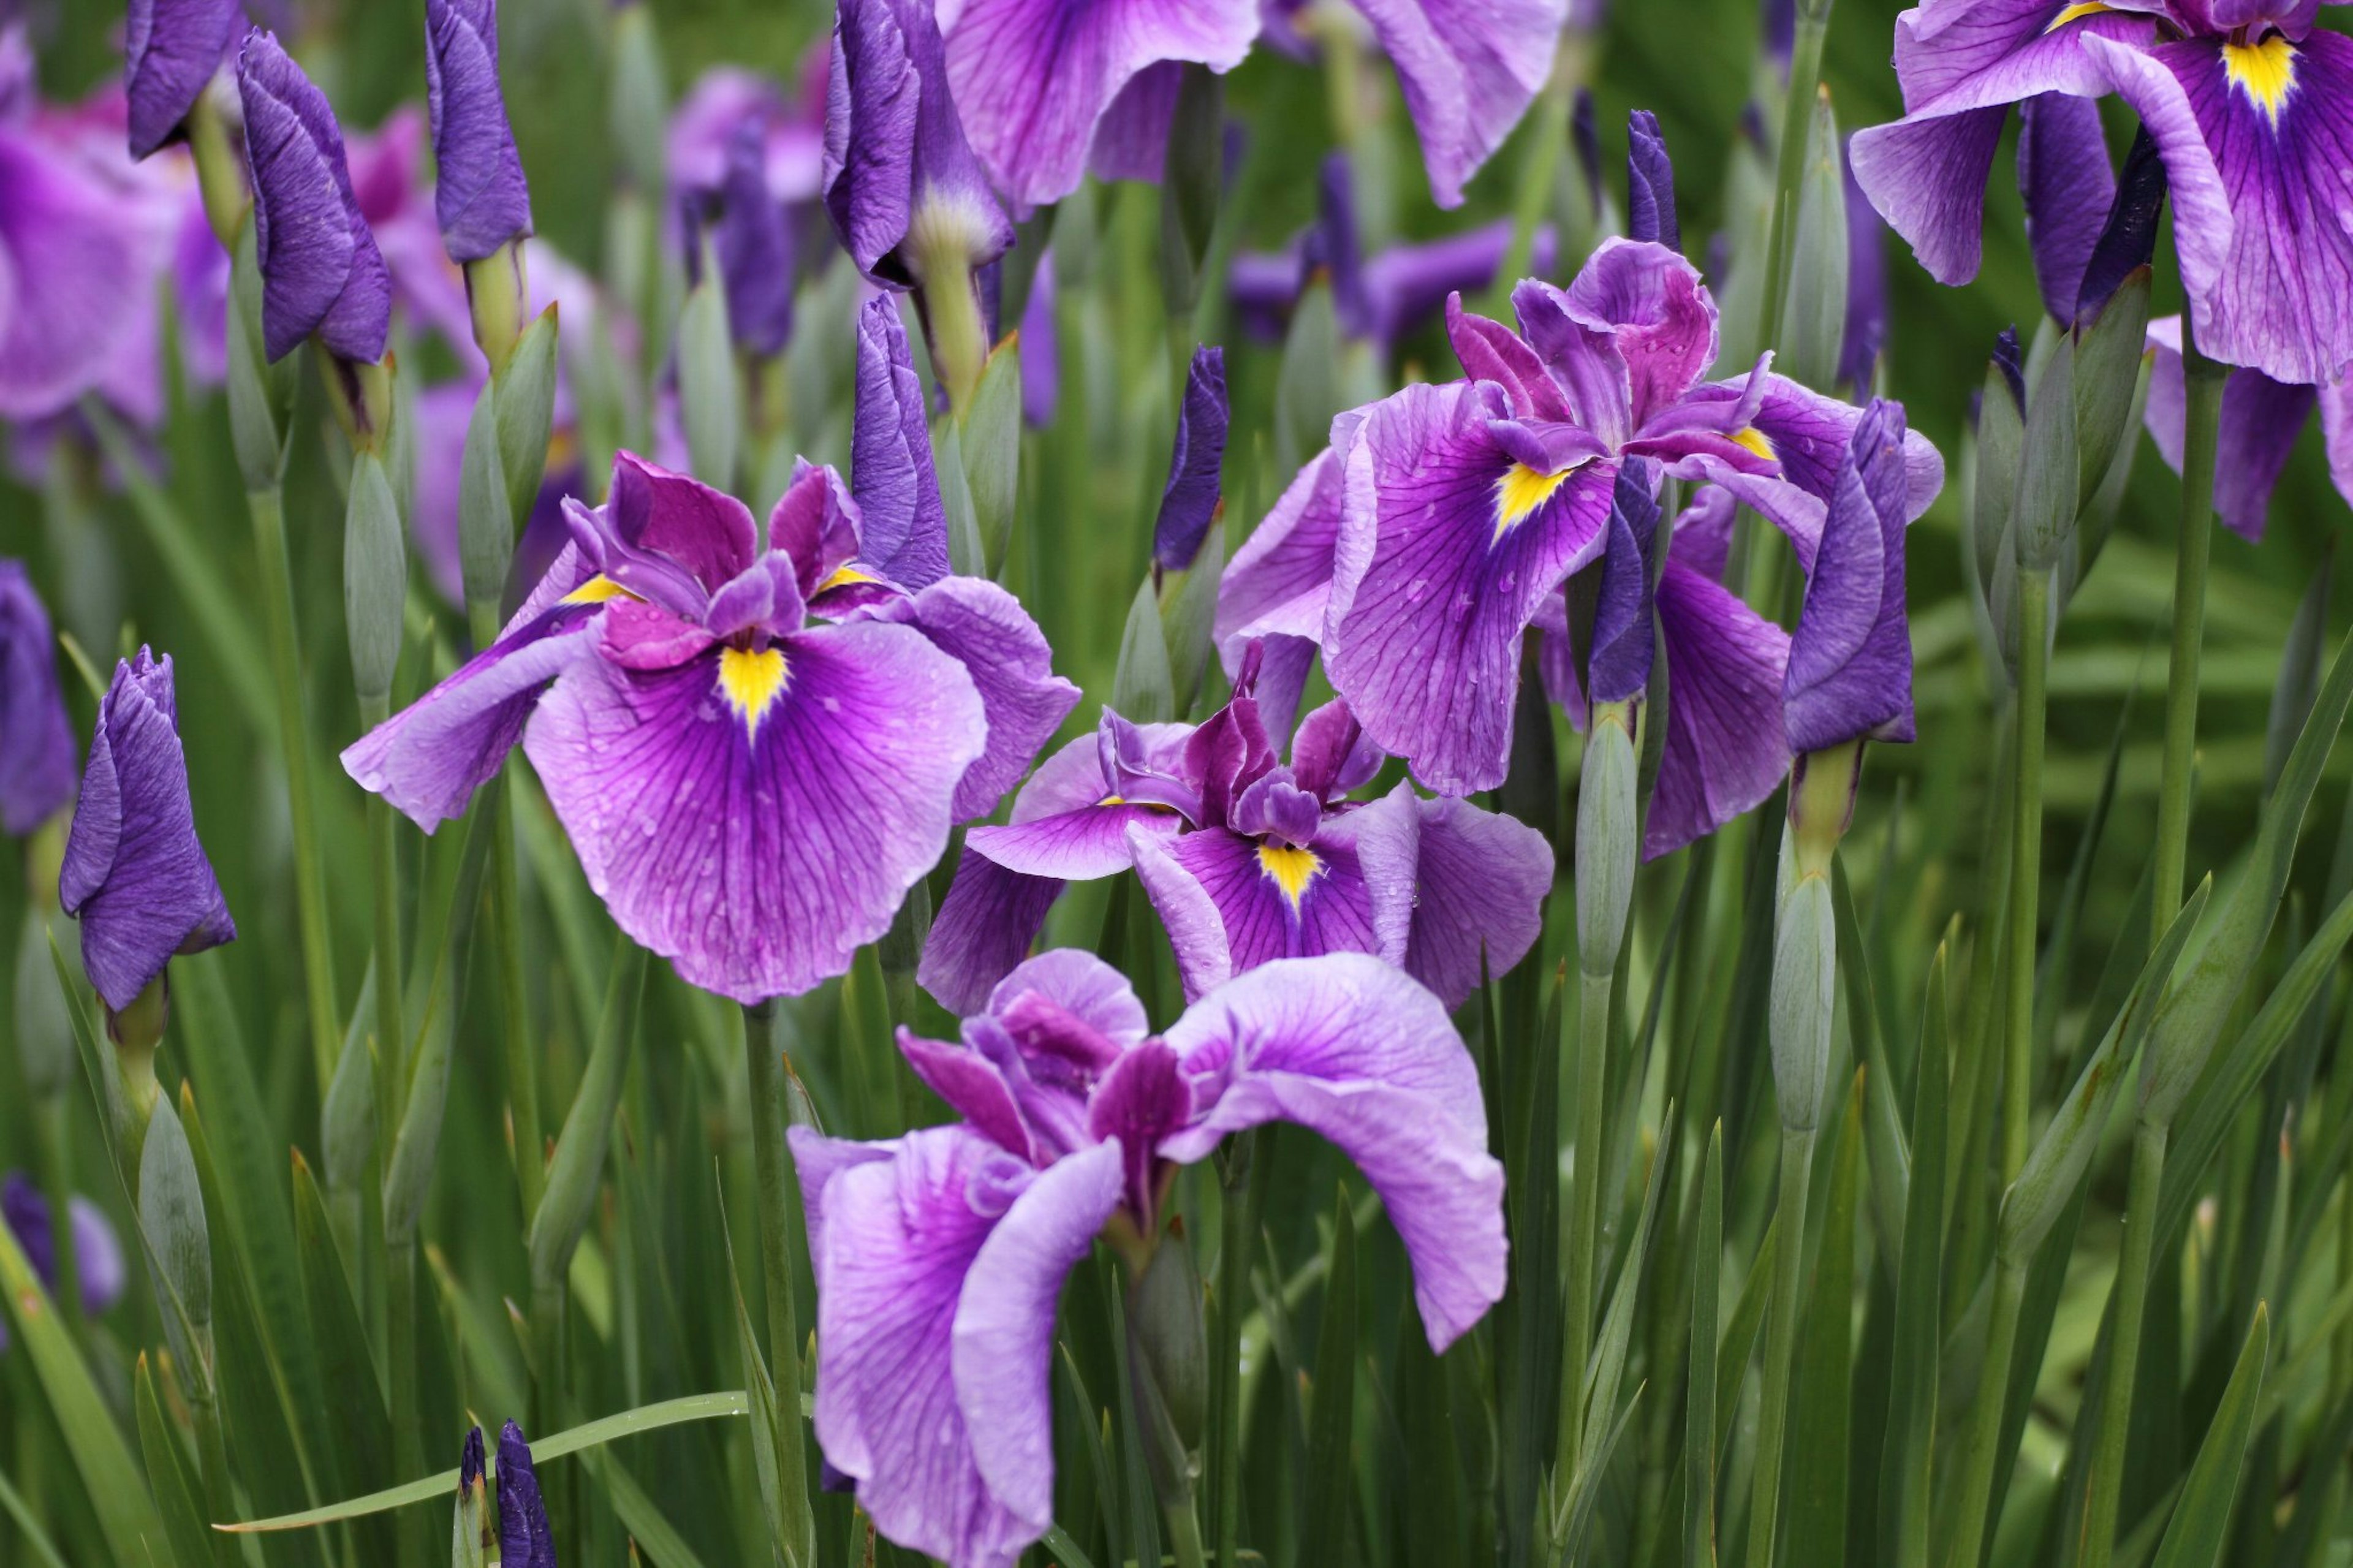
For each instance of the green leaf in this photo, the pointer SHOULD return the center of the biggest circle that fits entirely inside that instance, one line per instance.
(12, 1502)
(1822, 1404)
(710, 395)
(1142, 688)
(1814, 319)
(1740, 1335)
(376, 580)
(648, 1527)
(988, 439)
(2109, 354)
(573, 1176)
(1331, 1422)
(526, 413)
(1907, 1467)
(360, 1450)
(2049, 468)
(2202, 1520)
(486, 515)
(168, 1472)
(1699, 1392)
(760, 1402)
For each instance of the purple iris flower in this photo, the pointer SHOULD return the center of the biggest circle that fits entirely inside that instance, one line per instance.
(1189, 504)
(755, 247)
(897, 168)
(792, 130)
(170, 49)
(320, 270)
(2262, 420)
(722, 719)
(37, 743)
(134, 874)
(479, 195)
(2248, 102)
(524, 1539)
(939, 1256)
(1246, 858)
(1849, 673)
(97, 1251)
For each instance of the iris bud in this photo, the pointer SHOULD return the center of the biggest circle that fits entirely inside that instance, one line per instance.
(375, 583)
(1168, 1363)
(1606, 836)
(469, 1529)
(1816, 309)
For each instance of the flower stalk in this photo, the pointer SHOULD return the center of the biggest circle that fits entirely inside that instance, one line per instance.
(2104, 1490)
(2202, 385)
(776, 1205)
(2026, 863)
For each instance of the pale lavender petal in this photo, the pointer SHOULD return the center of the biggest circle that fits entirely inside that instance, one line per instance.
(1480, 884)
(1470, 68)
(759, 849)
(817, 1158)
(1082, 986)
(1356, 1051)
(1078, 845)
(1279, 582)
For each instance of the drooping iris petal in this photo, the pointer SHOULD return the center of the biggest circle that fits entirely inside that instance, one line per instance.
(479, 193)
(1355, 1050)
(1033, 77)
(170, 49)
(757, 818)
(1850, 671)
(2064, 174)
(903, 526)
(1469, 68)
(36, 743)
(2260, 424)
(320, 270)
(134, 874)
(984, 927)
(1724, 749)
(1480, 881)
(1448, 544)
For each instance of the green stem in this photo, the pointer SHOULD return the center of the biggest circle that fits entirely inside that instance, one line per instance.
(2025, 867)
(2107, 1484)
(407, 1422)
(1979, 1456)
(268, 510)
(1185, 1536)
(2202, 418)
(1225, 1353)
(777, 1213)
(506, 945)
(1780, 1341)
(1797, 121)
(220, 1496)
(1593, 997)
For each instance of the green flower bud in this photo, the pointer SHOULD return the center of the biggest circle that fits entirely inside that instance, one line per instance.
(375, 581)
(1168, 1366)
(1607, 836)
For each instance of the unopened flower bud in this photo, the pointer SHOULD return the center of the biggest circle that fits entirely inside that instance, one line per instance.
(469, 1529)
(1169, 1360)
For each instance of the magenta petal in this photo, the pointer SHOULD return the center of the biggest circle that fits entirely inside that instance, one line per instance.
(1491, 350)
(1652, 302)
(1354, 1050)
(973, 1087)
(984, 928)
(1434, 583)
(1480, 883)
(759, 852)
(1724, 749)
(1470, 68)
(1080, 986)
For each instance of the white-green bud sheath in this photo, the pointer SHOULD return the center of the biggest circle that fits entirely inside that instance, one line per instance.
(215, 127)
(375, 582)
(1815, 313)
(942, 236)
(1607, 828)
(498, 294)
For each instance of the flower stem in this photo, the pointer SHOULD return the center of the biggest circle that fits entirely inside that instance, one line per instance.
(2201, 424)
(1781, 1340)
(2106, 1486)
(506, 943)
(1979, 1455)
(1797, 120)
(777, 1212)
(2025, 865)
(268, 510)
(1593, 997)
(1225, 1353)
(407, 1422)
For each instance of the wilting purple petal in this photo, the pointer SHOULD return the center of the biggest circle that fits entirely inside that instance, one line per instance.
(1468, 69)
(1480, 883)
(479, 194)
(1850, 670)
(1189, 503)
(320, 270)
(134, 875)
(2261, 422)
(2065, 177)
(1352, 1049)
(1033, 77)
(37, 741)
(896, 153)
(716, 834)
(1448, 544)
(170, 49)
(524, 1539)
(984, 927)
(1724, 749)
(753, 248)
(904, 526)
(1649, 184)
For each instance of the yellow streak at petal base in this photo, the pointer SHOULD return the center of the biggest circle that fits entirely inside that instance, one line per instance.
(1520, 491)
(2265, 72)
(1291, 868)
(751, 681)
(599, 589)
(843, 576)
(2077, 12)
(1757, 441)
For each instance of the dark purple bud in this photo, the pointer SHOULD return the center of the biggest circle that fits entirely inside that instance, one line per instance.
(1649, 183)
(2068, 187)
(470, 1463)
(524, 1539)
(320, 271)
(1620, 668)
(1866, 289)
(2128, 242)
(97, 1252)
(2007, 355)
(479, 195)
(37, 743)
(904, 531)
(134, 875)
(896, 161)
(1849, 673)
(1190, 503)
(1586, 138)
(754, 246)
(170, 49)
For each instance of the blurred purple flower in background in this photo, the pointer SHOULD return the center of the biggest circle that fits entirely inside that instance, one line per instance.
(36, 743)
(99, 1266)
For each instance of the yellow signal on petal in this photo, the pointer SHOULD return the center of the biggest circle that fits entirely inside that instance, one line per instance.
(751, 681)
(1520, 491)
(1757, 441)
(843, 576)
(599, 589)
(1291, 868)
(2077, 12)
(2264, 71)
